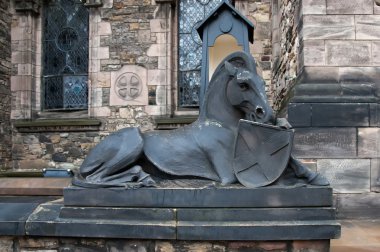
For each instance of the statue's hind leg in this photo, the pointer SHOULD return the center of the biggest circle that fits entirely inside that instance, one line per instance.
(113, 161)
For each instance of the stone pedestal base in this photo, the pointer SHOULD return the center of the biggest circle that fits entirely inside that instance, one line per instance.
(185, 218)
(205, 212)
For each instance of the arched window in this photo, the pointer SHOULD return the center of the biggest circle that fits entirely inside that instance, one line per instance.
(65, 55)
(191, 13)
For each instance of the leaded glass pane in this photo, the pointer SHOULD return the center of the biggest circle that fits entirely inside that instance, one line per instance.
(191, 13)
(65, 60)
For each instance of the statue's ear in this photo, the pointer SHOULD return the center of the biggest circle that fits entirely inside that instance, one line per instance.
(231, 69)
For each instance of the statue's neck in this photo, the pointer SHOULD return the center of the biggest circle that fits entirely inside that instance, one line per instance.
(217, 107)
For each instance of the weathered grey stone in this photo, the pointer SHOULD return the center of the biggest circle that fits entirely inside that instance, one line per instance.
(349, 7)
(313, 7)
(314, 53)
(348, 53)
(354, 206)
(356, 74)
(299, 114)
(129, 245)
(311, 246)
(164, 246)
(369, 142)
(6, 244)
(325, 142)
(59, 157)
(376, 53)
(313, 74)
(374, 110)
(376, 8)
(328, 27)
(346, 175)
(44, 139)
(198, 196)
(35, 243)
(263, 31)
(340, 114)
(375, 175)
(31, 139)
(367, 27)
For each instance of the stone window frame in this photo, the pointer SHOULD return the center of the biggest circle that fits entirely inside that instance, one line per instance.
(74, 17)
(26, 79)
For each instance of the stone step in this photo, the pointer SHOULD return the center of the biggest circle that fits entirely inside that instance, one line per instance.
(54, 219)
(200, 197)
(198, 214)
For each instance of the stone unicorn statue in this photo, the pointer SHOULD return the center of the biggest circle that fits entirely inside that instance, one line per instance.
(203, 149)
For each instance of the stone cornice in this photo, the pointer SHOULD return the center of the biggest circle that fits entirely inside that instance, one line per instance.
(28, 6)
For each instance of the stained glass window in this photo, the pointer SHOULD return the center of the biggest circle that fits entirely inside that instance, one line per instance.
(191, 13)
(65, 55)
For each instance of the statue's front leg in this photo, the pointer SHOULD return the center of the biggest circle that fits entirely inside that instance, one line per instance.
(299, 169)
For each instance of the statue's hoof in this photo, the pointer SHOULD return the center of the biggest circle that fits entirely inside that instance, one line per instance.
(319, 180)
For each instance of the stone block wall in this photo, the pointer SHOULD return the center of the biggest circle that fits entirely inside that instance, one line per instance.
(5, 90)
(258, 12)
(130, 43)
(51, 244)
(333, 97)
(285, 48)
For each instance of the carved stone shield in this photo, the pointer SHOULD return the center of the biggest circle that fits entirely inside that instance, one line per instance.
(261, 153)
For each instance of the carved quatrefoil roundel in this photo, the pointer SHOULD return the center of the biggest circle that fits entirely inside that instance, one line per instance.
(128, 86)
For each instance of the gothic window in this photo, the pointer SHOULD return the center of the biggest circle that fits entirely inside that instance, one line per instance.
(191, 13)
(65, 55)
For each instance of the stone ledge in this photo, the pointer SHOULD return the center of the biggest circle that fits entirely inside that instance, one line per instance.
(57, 125)
(54, 219)
(200, 197)
(173, 122)
(15, 211)
(33, 186)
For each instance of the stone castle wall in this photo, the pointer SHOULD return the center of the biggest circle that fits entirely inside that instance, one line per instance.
(129, 40)
(5, 91)
(51, 244)
(136, 40)
(326, 80)
(285, 47)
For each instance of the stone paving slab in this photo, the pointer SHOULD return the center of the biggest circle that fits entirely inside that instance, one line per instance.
(358, 236)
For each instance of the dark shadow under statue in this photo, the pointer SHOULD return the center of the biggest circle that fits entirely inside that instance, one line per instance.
(235, 139)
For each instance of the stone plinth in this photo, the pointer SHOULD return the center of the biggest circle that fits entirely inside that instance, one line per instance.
(179, 216)
(202, 212)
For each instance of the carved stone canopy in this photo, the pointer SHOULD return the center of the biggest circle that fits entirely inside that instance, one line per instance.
(28, 6)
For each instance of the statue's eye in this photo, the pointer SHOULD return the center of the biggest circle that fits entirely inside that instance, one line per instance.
(243, 86)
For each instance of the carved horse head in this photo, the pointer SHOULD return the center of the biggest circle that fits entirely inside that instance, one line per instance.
(236, 92)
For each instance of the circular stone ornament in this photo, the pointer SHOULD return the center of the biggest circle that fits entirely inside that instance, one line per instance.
(128, 86)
